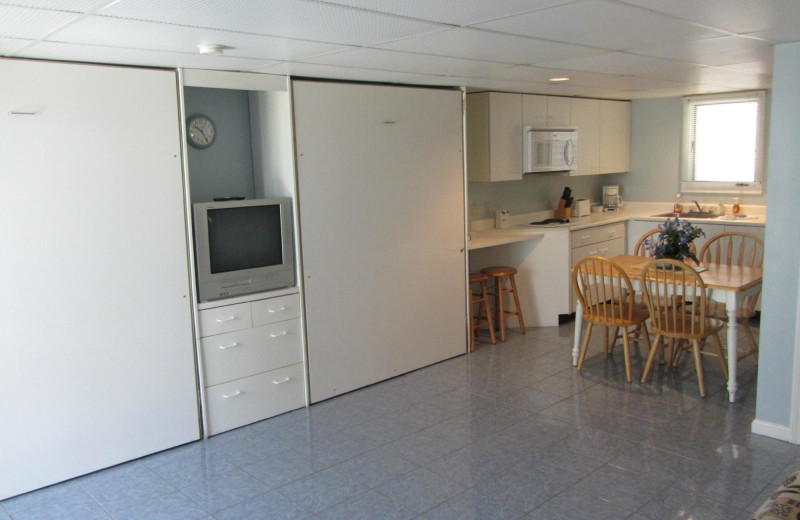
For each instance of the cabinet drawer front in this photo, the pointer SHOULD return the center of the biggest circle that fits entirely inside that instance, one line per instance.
(583, 237)
(276, 309)
(225, 319)
(253, 398)
(251, 351)
(611, 232)
(611, 248)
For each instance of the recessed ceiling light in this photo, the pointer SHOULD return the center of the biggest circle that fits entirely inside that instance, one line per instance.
(211, 48)
(559, 79)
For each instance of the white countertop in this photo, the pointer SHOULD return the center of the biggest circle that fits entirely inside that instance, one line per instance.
(485, 235)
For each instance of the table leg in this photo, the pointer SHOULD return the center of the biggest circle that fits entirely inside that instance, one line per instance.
(732, 307)
(576, 341)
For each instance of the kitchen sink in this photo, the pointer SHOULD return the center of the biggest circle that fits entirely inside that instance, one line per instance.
(689, 214)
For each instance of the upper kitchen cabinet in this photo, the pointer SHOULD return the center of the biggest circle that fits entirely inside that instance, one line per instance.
(494, 137)
(545, 111)
(604, 135)
(615, 136)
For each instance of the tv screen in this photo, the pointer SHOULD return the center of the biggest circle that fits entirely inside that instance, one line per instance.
(244, 238)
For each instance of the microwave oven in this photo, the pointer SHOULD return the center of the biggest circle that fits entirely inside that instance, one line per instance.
(549, 149)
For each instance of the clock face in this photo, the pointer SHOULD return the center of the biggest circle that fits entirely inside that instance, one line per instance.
(201, 131)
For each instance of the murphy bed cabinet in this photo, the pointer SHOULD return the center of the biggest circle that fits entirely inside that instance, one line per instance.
(252, 359)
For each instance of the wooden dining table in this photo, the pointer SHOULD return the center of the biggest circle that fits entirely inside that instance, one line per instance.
(728, 284)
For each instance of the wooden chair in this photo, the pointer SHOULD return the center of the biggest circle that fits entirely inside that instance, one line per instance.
(607, 297)
(500, 274)
(640, 249)
(736, 248)
(679, 318)
(484, 315)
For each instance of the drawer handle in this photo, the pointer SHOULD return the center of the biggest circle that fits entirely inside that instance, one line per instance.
(228, 396)
(277, 310)
(278, 335)
(584, 237)
(281, 381)
(226, 347)
(223, 320)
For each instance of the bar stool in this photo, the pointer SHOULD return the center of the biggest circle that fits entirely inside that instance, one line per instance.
(482, 299)
(499, 274)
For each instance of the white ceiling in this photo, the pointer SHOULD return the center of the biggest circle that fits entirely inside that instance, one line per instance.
(624, 49)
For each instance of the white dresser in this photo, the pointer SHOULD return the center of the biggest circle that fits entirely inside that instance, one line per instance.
(252, 360)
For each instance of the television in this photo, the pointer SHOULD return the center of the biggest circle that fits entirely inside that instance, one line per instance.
(243, 247)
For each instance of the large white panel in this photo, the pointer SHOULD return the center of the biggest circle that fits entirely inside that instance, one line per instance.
(381, 194)
(97, 358)
(20, 22)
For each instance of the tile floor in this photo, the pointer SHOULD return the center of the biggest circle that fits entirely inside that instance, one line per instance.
(511, 431)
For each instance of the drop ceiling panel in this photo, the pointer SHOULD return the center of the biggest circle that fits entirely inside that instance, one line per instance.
(122, 56)
(380, 59)
(784, 34)
(454, 12)
(32, 24)
(738, 16)
(345, 73)
(625, 64)
(603, 24)
(482, 45)
(288, 18)
(715, 51)
(10, 45)
(118, 32)
(76, 6)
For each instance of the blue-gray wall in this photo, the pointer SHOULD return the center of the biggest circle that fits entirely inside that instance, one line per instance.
(226, 168)
(782, 254)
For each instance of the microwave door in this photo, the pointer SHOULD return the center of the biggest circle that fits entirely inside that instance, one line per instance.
(544, 154)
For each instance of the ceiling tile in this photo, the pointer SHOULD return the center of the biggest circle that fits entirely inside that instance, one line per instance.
(134, 34)
(122, 56)
(624, 63)
(23, 22)
(9, 45)
(737, 16)
(483, 45)
(600, 23)
(327, 71)
(727, 50)
(380, 59)
(453, 12)
(786, 34)
(76, 6)
(288, 18)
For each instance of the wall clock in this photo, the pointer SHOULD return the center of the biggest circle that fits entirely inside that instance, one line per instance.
(201, 131)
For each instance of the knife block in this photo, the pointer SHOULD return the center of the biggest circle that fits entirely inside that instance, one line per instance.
(562, 211)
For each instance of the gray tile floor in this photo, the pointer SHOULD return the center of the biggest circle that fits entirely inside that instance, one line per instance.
(510, 431)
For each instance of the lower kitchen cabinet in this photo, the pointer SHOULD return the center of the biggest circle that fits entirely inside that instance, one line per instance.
(607, 241)
(252, 361)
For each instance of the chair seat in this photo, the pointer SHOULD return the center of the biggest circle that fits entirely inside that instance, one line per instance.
(684, 327)
(609, 314)
(499, 271)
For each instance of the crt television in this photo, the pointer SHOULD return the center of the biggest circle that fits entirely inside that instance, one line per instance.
(243, 246)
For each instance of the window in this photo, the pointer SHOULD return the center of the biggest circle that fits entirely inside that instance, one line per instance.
(723, 143)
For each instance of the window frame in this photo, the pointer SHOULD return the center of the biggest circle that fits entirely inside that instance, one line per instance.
(687, 182)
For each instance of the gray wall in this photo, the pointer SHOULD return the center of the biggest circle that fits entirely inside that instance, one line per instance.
(226, 168)
(656, 139)
(782, 263)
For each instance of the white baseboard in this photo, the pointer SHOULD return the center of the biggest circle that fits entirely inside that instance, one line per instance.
(770, 429)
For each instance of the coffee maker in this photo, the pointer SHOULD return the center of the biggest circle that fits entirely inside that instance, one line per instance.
(612, 201)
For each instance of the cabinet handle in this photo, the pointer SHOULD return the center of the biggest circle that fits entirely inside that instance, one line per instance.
(228, 396)
(585, 237)
(278, 335)
(223, 320)
(281, 381)
(226, 347)
(277, 310)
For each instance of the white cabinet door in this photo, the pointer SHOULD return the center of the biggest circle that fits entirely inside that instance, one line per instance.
(494, 137)
(615, 136)
(586, 118)
(97, 357)
(382, 227)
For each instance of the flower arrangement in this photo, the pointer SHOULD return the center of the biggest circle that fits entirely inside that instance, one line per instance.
(675, 240)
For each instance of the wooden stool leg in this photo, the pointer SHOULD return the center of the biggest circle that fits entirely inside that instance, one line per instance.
(500, 309)
(516, 303)
(472, 321)
(485, 293)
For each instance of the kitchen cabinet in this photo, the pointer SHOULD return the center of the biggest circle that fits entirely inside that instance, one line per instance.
(252, 360)
(615, 136)
(494, 137)
(545, 111)
(585, 116)
(606, 240)
(97, 365)
(382, 230)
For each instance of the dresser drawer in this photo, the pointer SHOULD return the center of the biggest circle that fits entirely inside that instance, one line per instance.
(276, 309)
(225, 319)
(253, 398)
(245, 352)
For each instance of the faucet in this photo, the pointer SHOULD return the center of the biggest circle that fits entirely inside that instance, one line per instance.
(699, 209)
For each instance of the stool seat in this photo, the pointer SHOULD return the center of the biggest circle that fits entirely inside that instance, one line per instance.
(484, 317)
(500, 274)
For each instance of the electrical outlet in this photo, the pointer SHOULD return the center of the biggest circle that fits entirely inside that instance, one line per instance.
(487, 210)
